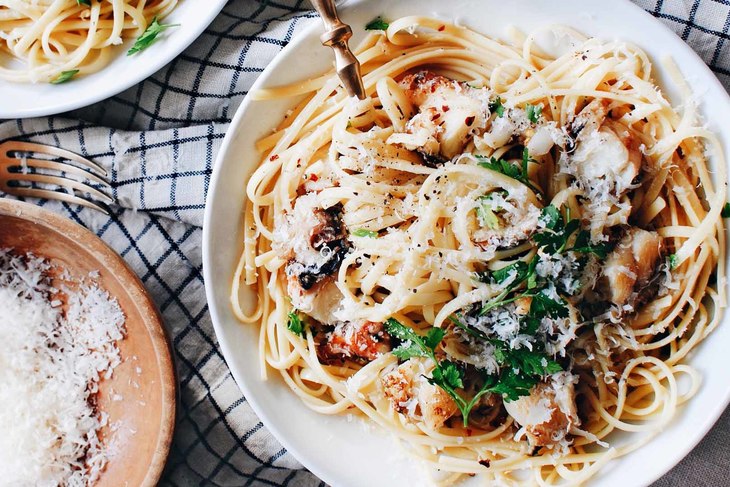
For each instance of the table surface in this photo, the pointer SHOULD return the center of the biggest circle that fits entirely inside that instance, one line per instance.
(159, 140)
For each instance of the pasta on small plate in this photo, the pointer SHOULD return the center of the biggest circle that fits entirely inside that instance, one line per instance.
(58, 55)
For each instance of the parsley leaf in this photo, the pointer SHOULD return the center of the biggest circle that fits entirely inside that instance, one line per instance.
(543, 305)
(673, 261)
(497, 107)
(413, 344)
(83, 2)
(485, 213)
(533, 112)
(726, 211)
(582, 244)
(377, 24)
(149, 36)
(295, 323)
(408, 350)
(64, 76)
(363, 232)
(554, 238)
(518, 269)
(508, 169)
(448, 374)
(434, 337)
(500, 166)
(550, 217)
(513, 385)
(526, 160)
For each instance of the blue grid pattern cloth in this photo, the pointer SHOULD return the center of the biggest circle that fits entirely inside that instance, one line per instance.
(159, 140)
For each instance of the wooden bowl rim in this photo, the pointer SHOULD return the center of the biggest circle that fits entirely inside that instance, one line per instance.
(161, 343)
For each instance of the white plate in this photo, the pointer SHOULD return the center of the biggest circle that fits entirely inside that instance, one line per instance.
(343, 452)
(22, 100)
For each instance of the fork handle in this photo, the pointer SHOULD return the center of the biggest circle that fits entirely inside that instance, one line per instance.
(336, 35)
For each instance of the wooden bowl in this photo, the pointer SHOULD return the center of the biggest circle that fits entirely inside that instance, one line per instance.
(145, 380)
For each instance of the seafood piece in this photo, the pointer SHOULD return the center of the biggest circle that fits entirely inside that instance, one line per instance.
(549, 412)
(314, 242)
(605, 150)
(412, 395)
(631, 265)
(355, 339)
(450, 113)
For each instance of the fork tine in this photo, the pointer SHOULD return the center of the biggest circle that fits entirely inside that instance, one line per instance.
(59, 181)
(16, 145)
(59, 166)
(55, 195)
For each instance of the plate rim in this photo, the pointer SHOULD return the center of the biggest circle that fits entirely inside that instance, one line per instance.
(147, 69)
(707, 75)
(154, 323)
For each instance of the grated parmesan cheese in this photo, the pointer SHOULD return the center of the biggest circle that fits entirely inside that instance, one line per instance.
(50, 366)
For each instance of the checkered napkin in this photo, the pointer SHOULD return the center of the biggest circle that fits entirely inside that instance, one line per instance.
(159, 140)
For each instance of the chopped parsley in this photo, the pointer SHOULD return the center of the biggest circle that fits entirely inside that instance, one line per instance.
(521, 369)
(363, 232)
(497, 107)
(295, 323)
(377, 24)
(65, 76)
(673, 261)
(84, 2)
(519, 269)
(486, 209)
(508, 169)
(149, 36)
(726, 211)
(554, 238)
(533, 112)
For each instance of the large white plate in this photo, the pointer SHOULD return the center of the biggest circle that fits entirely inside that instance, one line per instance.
(343, 452)
(22, 100)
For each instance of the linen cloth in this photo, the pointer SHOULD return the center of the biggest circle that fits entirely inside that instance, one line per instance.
(159, 140)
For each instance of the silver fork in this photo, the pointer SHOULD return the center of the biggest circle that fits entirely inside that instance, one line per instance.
(21, 156)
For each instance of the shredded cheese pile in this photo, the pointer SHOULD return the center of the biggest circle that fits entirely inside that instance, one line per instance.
(50, 366)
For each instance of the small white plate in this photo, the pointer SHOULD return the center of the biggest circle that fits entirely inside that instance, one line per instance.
(23, 100)
(343, 452)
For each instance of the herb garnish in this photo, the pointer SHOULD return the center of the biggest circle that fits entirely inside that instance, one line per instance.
(553, 239)
(83, 2)
(377, 24)
(486, 210)
(64, 76)
(557, 233)
(533, 112)
(521, 368)
(295, 323)
(508, 169)
(149, 36)
(497, 107)
(673, 261)
(363, 232)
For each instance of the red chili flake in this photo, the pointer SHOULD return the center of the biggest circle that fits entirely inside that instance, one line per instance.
(469, 120)
(442, 28)
(445, 108)
(485, 462)
(468, 432)
(435, 117)
(313, 177)
(274, 157)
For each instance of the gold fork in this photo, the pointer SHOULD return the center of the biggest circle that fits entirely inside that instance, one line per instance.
(17, 157)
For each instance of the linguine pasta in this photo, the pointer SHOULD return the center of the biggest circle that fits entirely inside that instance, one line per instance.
(50, 37)
(502, 255)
